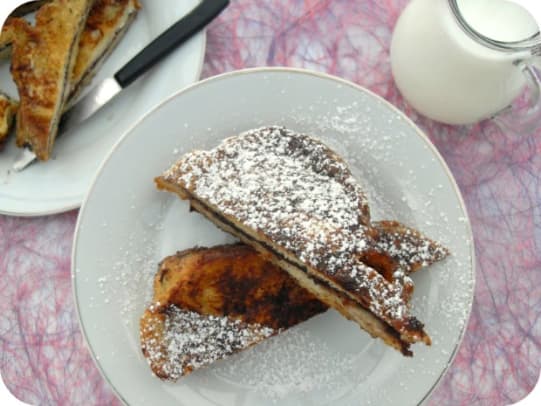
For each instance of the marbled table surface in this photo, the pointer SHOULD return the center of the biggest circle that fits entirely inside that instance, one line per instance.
(43, 356)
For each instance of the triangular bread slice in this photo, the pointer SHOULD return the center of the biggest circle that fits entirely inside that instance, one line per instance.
(107, 23)
(210, 303)
(43, 58)
(294, 200)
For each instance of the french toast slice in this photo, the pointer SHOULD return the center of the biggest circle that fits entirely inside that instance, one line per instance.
(209, 303)
(295, 201)
(8, 109)
(43, 57)
(107, 23)
(105, 26)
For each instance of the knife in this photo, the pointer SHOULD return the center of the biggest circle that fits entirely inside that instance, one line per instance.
(154, 52)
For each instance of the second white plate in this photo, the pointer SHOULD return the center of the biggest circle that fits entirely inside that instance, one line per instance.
(61, 183)
(121, 237)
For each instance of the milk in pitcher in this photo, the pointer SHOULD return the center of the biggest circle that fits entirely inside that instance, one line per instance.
(447, 60)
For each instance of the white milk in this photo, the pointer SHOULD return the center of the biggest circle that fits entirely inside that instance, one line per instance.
(498, 19)
(445, 73)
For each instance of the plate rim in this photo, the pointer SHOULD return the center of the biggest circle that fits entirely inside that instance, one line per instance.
(73, 205)
(281, 69)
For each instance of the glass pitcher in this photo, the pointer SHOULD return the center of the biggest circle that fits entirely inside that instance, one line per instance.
(462, 61)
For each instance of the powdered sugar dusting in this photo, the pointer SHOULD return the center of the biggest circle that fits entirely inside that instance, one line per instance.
(408, 247)
(304, 198)
(283, 173)
(191, 340)
(130, 273)
(297, 363)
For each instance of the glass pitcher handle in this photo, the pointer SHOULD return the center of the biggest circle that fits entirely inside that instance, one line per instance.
(525, 117)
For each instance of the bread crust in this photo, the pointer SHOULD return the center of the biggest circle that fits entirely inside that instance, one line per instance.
(43, 58)
(232, 284)
(293, 199)
(107, 23)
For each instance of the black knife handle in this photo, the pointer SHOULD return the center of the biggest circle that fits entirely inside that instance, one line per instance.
(175, 35)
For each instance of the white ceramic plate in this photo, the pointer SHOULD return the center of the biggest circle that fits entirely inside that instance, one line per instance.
(60, 184)
(126, 226)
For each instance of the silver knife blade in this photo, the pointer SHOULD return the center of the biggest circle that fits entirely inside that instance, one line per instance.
(89, 104)
(79, 112)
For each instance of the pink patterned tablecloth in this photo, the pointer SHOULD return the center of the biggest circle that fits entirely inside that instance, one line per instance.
(42, 354)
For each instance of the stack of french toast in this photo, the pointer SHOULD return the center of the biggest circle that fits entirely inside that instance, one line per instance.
(307, 243)
(53, 59)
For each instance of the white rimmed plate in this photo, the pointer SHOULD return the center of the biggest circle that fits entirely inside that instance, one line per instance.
(126, 226)
(61, 183)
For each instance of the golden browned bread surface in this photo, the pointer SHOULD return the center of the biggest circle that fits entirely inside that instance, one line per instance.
(209, 303)
(295, 200)
(324, 292)
(233, 280)
(8, 109)
(107, 22)
(6, 35)
(43, 57)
